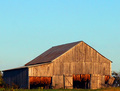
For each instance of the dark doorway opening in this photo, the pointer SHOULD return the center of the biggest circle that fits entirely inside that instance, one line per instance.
(107, 77)
(40, 82)
(81, 81)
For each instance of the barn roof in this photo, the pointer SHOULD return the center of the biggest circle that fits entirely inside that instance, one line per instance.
(52, 53)
(22, 67)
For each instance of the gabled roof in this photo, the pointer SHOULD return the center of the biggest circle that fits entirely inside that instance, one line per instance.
(52, 53)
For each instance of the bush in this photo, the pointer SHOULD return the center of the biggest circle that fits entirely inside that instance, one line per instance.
(1, 80)
(116, 75)
(14, 86)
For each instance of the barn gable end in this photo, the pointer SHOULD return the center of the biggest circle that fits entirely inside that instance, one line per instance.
(82, 59)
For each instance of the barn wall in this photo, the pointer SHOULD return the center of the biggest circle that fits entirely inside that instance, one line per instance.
(81, 59)
(17, 76)
(41, 70)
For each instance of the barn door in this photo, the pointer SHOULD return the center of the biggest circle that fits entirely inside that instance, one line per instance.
(68, 82)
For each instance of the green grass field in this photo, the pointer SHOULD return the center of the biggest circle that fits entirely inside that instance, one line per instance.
(106, 89)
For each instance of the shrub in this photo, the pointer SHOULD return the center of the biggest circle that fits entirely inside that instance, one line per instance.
(1, 80)
(116, 75)
(14, 86)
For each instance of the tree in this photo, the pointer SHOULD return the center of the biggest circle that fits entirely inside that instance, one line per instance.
(1, 80)
(116, 75)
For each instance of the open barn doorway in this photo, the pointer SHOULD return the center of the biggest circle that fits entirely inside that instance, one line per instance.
(81, 81)
(107, 77)
(40, 82)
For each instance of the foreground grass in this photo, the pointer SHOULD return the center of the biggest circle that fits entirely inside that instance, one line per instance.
(106, 89)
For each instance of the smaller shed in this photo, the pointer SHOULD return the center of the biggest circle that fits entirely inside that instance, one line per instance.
(17, 76)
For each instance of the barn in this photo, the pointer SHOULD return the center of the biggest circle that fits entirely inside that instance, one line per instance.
(72, 65)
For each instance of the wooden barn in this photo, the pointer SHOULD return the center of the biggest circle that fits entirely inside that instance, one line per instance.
(72, 65)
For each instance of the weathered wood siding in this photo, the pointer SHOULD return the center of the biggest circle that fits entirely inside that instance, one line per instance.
(97, 81)
(41, 70)
(58, 81)
(17, 76)
(81, 59)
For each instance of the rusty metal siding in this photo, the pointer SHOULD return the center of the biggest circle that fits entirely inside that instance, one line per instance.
(16, 76)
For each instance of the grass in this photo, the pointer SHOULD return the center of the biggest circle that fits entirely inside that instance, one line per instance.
(106, 89)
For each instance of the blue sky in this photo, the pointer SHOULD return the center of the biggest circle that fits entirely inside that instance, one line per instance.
(30, 27)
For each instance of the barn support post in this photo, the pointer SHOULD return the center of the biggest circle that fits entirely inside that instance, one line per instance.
(28, 78)
(89, 85)
(28, 83)
(110, 69)
(64, 81)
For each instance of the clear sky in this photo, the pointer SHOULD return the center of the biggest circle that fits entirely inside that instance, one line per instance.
(30, 27)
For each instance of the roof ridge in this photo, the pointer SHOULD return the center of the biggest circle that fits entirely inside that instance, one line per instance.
(66, 44)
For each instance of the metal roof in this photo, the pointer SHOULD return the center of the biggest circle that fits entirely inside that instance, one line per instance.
(16, 68)
(52, 53)
(22, 67)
